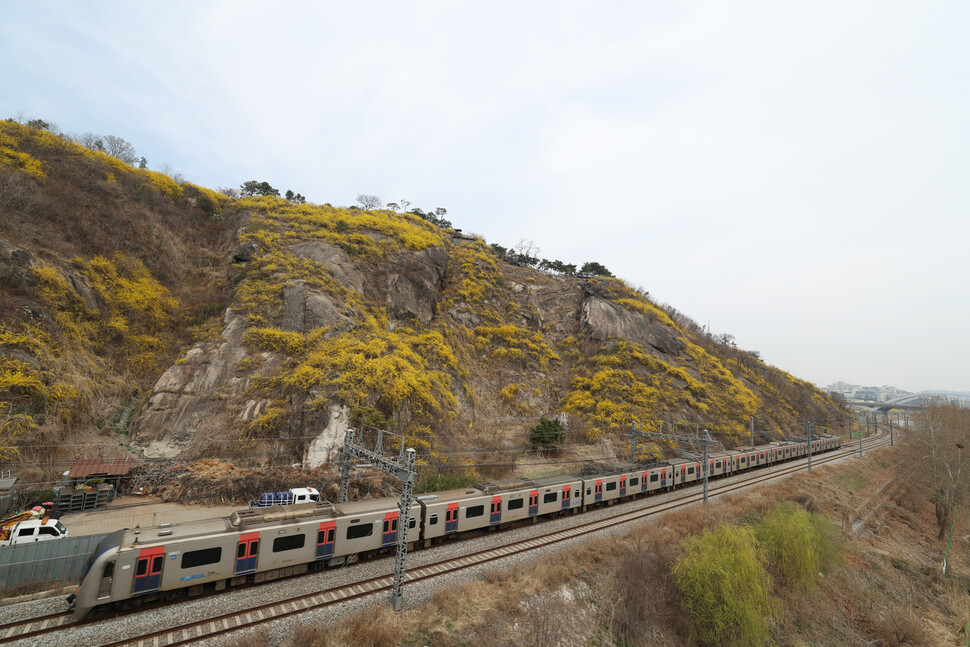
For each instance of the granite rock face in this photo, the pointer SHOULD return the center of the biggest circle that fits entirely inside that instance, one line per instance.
(413, 284)
(204, 393)
(603, 319)
(190, 398)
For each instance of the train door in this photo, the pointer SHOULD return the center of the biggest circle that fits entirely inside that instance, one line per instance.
(663, 477)
(565, 496)
(533, 503)
(148, 571)
(598, 496)
(623, 485)
(451, 518)
(683, 473)
(389, 535)
(325, 537)
(496, 516)
(246, 551)
(643, 482)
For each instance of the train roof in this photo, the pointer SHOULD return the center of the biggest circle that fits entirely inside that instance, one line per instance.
(674, 462)
(450, 496)
(561, 479)
(167, 532)
(504, 485)
(366, 506)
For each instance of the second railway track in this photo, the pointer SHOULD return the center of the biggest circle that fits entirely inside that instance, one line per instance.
(212, 627)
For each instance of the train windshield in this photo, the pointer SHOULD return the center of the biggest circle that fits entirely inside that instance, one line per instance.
(106, 544)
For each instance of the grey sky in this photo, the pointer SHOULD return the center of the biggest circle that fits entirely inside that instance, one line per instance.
(794, 173)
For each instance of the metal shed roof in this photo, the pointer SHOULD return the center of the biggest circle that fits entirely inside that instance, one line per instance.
(98, 466)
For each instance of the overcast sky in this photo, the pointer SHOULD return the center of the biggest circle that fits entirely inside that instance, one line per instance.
(793, 173)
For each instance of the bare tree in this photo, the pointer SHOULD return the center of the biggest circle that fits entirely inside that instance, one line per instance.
(937, 457)
(120, 148)
(368, 202)
(90, 140)
(527, 248)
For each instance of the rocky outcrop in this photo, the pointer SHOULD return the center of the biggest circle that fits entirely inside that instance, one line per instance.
(413, 284)
(15, 265)
(603, 319)
(305, 309)
(336, 260)
(324, 447)
(190, 397)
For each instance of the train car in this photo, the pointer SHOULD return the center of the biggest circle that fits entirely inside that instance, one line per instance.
(609, 485)
(738, 460)
(362, 527)
(685, 470)
(718, 465)
(560, 494)
(785, 450)
(656, 478)
(134, 566)
(454, 511)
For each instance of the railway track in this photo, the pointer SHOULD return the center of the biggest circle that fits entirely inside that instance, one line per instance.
(195, 632)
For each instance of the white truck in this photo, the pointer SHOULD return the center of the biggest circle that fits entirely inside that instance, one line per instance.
(30, 526)
(288, 497)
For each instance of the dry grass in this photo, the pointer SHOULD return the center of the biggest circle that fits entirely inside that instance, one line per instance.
(888, 590)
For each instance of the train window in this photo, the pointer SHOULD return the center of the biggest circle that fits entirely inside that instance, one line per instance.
(204, 557)
(690, 470)
(653, 478)
(515, 504)
(412, 523)
(433, 521)
(611, 486)
(589, 491)
(359, 531)
(240, 551)
(142, 567)
(109, 569)
(474, 511)
(157, 563)
(551, 497)
(634, 481)
(292, 542)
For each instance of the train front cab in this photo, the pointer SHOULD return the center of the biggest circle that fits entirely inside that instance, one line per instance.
(98, 583)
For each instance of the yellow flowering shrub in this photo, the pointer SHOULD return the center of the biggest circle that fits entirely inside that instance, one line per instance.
(12, 426)
(392, 370)
(11, 154)
(512, 342)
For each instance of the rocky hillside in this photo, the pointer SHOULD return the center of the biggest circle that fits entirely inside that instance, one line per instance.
(141, 311)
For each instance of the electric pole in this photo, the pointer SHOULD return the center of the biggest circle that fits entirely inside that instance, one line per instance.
(403, 468)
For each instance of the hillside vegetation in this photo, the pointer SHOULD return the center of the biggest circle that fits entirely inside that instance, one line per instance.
(143, 313)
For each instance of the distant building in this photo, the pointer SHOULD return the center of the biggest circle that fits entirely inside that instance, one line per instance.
(867, 393)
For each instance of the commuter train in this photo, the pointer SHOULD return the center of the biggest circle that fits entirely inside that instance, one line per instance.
(132, 567)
